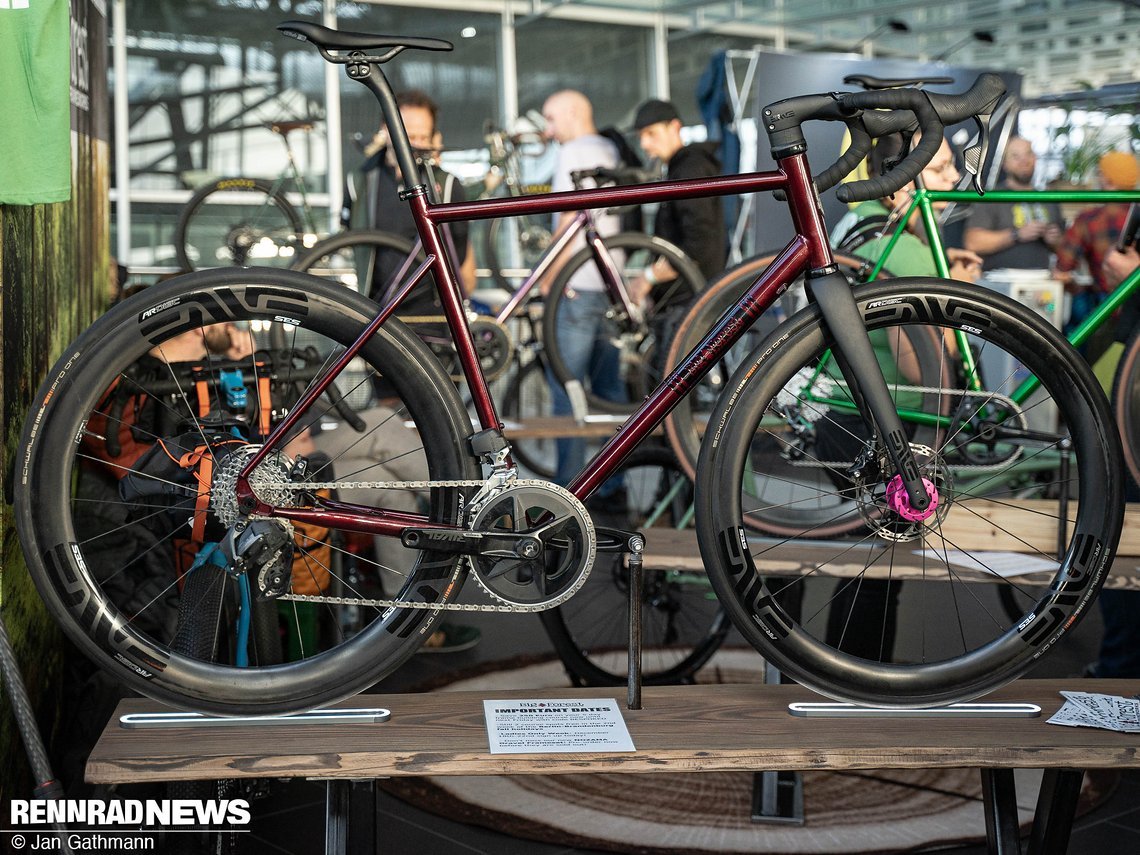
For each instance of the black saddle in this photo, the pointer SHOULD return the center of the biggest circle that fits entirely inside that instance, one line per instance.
(328, 39)
(868, 81)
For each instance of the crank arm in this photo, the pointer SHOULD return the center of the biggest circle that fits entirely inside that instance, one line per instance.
(472, 543)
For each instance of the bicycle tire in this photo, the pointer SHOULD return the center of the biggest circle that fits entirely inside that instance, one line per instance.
(945, 640)
(339, 258)
(225, 232)
(1126, 404)
(641, 352)
(528, 396)
(78, 584)
(682, 624)
(684, 426)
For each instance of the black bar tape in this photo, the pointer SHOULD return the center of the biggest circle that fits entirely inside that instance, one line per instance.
(859, 148)
(978, 99)
(930, 127)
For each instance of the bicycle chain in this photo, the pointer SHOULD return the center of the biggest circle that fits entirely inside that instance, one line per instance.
(405, 604)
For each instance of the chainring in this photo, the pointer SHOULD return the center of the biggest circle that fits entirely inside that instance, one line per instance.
(569, 545)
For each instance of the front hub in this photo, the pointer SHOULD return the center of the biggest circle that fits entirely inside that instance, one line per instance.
(898, 501)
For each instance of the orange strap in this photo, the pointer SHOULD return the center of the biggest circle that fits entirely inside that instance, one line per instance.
(201, 460)
(203, 395)
(266, 403)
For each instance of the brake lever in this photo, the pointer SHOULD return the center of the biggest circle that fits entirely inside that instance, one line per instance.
(974, 157)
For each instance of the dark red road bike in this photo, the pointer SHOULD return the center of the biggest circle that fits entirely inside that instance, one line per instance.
(246, 486)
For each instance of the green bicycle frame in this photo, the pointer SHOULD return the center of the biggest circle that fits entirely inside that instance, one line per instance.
(923, 202)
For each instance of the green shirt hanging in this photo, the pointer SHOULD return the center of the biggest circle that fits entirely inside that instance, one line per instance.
(35, 134)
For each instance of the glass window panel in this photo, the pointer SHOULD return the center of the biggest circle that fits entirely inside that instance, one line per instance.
(463, 82)
(608, 63)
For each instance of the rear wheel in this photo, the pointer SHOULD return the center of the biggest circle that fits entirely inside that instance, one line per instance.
(909, 614)
(131, 460)
(1126, 404)
(590, 338)
(528, 397)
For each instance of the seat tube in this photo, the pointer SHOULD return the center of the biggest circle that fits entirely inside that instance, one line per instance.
(451, 298)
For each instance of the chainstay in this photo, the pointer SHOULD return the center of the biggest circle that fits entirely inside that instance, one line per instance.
(404, 604)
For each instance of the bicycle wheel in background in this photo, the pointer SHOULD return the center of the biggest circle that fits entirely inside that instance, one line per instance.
(1126, 404)
(126, 485)
(528, 397)
(636, 344)
(909, 615)
(349, 258)
(682, 623)
(514, 242)
(808, 504)
(238, 222)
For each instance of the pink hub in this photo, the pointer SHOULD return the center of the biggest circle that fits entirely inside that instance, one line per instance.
(899, 503)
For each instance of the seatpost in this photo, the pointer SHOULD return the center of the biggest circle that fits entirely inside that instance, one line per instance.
(370, 74)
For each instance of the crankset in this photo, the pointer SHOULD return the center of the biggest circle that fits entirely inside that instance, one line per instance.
(554, 544)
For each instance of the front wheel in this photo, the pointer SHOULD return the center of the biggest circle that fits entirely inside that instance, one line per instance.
(127, 499)
(910, 614)
(590, 337)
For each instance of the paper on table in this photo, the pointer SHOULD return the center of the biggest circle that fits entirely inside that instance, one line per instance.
(1004, 564)
(559, 725)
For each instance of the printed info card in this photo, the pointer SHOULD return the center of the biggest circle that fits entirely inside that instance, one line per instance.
(556, 726)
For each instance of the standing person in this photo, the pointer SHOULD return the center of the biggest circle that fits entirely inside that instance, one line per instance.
(695, 225)
(582, 337)
(371, 201)
(1021, 235)
(1091, 236)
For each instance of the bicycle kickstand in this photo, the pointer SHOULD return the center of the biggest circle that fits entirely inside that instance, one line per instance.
(632, 545)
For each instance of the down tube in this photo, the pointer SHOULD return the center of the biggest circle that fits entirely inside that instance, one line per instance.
(790, 263)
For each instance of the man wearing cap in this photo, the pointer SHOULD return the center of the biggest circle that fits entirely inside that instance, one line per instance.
(695, 225)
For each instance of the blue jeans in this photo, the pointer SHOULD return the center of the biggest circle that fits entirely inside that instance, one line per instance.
(584, 340)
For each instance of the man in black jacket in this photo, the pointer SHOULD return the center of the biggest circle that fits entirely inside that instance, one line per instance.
(695, 225)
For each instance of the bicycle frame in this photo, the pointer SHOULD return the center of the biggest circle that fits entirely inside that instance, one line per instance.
(561, 239)
(809, 250)
(809, 253)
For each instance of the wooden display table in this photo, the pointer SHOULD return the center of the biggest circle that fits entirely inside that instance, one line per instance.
(679, 729)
